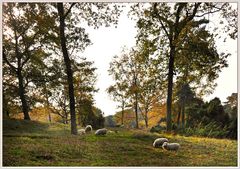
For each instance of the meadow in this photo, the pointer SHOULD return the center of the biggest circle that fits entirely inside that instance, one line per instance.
(31, 143)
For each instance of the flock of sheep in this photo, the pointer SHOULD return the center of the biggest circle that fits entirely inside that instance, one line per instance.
(88, 129)
(163, 142)
(159, 142)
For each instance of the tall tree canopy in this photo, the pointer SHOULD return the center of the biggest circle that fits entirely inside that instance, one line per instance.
(23, 52)
(168, 25)
(58, 30)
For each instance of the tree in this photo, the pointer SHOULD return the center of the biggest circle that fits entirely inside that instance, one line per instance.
(85, 82)
(67, 61)
(185, 96)
(22, 44)
(145, 86)
(196, 111)
(232, 100)
(118, 92)
(91, 115)
(124, 69)
(61, 26)
(198, 62)
(134, 81)
(215, 111)
(9, 91)
(230, 108)
(53, 88)
(73, 37)
(151, 78)
(168, 23)
(61, 100)
(99, 118)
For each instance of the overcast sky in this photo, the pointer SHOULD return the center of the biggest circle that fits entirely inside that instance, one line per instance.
(107, 42)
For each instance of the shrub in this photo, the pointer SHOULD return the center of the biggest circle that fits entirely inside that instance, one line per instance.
(157, 128)
(212, 129)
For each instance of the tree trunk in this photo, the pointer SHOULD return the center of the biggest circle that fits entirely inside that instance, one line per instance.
(49, 116)
(178, 118)
(183, 115)
(146, 119)
(170, 86)
(178, 27)
(68, 69)
(66, 118)
(122, 113)
(7, 114)
(47, 106)
(49, 112)
(21, 88)
(5, 108)
(79, 119)
(21, 92)
(123, 105)
(136, 109)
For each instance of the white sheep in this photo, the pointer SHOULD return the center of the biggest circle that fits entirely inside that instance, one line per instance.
(88, 128)
(159, 142)
(102, 131)
(171, 146)
(81, 131)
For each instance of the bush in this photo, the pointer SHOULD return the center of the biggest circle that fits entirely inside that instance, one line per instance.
(157, 128)
(212, 129)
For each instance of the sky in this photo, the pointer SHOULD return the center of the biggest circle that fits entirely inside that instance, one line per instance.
(108, 42)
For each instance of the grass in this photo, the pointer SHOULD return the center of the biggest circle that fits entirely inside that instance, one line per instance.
(43, 144)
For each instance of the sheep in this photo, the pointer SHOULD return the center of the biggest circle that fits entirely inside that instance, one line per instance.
(171, 146)
(81, 131)
(159, 142)
(88, 128)
(102, 131)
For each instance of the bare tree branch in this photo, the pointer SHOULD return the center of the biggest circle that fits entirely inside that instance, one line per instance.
(69, 10)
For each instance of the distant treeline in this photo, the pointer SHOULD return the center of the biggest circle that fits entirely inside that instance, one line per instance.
(209, 119)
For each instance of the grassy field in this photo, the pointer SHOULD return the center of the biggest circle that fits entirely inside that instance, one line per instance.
(43, 144)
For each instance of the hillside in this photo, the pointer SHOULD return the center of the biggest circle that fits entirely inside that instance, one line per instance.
(27, 143)
(38, 114)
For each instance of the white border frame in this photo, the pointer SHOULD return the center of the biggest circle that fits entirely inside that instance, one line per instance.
(120, 1)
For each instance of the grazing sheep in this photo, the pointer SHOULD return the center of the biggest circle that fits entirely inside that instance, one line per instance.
(159, 142)
(81, 131)
(88, 128)
(171, 146)
(102, 131)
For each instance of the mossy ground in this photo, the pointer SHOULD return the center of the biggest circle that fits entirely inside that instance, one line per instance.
(43, 144)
